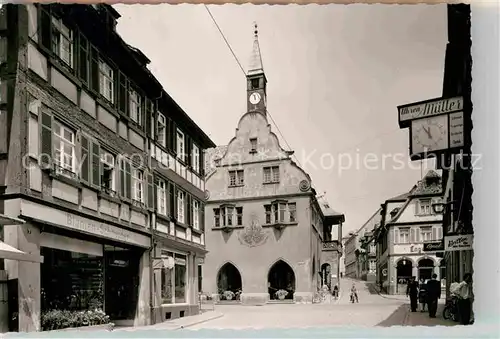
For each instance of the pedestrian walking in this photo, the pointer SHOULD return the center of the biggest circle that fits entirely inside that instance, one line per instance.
(465, 295)
(354, 294)
(433, 295)
(335, 292)
(422, 295)
(412, 292)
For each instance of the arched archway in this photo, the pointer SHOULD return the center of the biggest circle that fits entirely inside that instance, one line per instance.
(229, 279)
(281, 277)
(425, 269)
(404, 268)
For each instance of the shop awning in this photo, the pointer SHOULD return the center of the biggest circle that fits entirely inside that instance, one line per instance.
(10, 252)
(6, 220)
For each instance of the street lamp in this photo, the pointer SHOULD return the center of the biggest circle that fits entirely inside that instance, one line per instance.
(441, 207)
(404, 262)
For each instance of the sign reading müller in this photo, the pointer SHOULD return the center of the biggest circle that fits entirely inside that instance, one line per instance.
(430, 108)
(458, 243)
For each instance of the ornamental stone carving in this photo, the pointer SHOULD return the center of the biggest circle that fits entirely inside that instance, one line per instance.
(253, 235)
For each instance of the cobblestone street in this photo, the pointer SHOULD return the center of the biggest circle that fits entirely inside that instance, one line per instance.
(372, 310)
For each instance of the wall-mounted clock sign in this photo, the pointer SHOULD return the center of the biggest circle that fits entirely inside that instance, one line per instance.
(429, 134)
(255, 98)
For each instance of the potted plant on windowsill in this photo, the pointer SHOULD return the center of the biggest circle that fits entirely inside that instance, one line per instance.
(281, 294)
(228, 295)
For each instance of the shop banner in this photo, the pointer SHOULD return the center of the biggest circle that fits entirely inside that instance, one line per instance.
(458, 242)
(433, 246)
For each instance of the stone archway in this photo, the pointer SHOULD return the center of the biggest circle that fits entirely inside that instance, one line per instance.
(281, 277)
(229, 279)
(425, 269)
(404, 269)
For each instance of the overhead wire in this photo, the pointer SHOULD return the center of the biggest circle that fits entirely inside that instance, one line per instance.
(267, 111)
(244, 73)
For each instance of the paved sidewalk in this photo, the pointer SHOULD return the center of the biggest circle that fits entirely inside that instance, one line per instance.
(422, 318)
(177, 324)
(374, 287)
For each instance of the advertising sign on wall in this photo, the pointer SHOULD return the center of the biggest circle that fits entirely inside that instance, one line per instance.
(458, 242)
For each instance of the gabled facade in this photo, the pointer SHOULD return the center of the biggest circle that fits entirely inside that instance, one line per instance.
(408, 222)
(103, 165)
(265, 227)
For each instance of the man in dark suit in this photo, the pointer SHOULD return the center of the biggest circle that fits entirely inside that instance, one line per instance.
(433, 294)
(412, 292)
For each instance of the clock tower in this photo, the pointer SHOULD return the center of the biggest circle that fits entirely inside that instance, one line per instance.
(256, 79)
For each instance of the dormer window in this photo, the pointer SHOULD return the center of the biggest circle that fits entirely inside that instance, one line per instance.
(253, 145)
(424, 207)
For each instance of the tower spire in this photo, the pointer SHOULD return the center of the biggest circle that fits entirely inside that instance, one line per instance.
(255, 66)
(256, 79)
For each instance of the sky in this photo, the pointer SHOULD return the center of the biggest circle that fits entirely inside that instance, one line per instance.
(336, 74)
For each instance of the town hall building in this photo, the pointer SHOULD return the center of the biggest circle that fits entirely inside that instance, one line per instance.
(265, 228)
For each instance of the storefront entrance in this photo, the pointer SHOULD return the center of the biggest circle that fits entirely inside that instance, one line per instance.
(404, 269)
(122, 282)
(281, 278)
(71, 281)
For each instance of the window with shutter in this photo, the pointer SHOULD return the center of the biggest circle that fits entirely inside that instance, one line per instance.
(122, 93)
(94, 69)
(189, 212)
(162, 198)
(187, 152)
(439, 233)
(96, 164)
(46, 140)
(173, 136)
(83, 59)
(151, 190)
(171, 200)
(202, 217)
(123, 187)
(148, 110)
(45, 30)
(128, 180)
(196, 159)
(181, 206)
(85, 159)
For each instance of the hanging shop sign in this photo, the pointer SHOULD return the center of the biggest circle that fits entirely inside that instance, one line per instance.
(461, 242)
(436, 126)
(429, 108)
(434, 246)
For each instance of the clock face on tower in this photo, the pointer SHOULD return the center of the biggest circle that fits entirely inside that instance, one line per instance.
(429, 134)
(255, 98)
